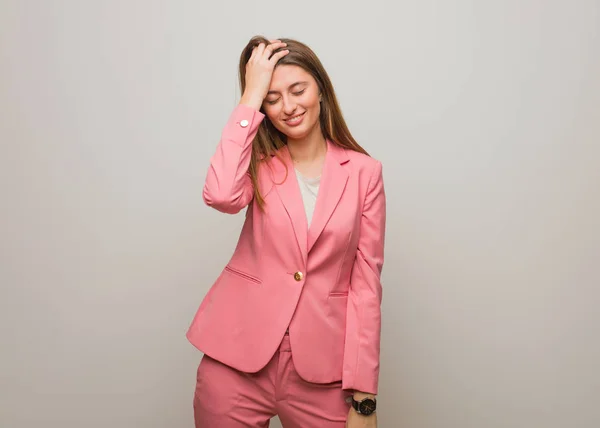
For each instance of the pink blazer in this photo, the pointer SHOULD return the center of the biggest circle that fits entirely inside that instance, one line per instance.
(323, 281)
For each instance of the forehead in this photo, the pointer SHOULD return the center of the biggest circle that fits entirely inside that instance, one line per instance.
(286, 75)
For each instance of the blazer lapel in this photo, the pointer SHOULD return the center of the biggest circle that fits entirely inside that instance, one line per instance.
(333, 183)
(289, 193)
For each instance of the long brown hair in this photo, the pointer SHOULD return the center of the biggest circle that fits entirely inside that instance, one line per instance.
(269, 140)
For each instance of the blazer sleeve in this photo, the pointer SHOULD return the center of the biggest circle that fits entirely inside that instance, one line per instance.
(228, 187)
(363, 321)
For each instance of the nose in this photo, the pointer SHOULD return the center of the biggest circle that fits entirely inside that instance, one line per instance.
(289, 106)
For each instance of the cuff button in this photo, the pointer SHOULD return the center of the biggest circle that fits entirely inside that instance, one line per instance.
(244, 123)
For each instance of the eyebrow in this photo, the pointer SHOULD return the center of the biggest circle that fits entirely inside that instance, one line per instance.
(289, 87)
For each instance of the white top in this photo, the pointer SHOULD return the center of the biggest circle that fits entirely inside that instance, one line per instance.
(309, 188)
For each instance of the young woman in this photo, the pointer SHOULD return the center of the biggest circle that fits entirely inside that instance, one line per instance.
(291, 326)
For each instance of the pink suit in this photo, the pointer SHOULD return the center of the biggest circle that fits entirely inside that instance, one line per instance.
(322, 282)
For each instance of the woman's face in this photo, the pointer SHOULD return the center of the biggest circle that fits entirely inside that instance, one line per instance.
(292, 104)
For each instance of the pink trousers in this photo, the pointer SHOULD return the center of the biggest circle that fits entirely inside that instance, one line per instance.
(227, 398)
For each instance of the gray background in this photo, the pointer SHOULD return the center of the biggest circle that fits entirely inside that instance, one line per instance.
(485, 115)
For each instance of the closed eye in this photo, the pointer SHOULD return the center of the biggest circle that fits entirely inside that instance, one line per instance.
(297, 93)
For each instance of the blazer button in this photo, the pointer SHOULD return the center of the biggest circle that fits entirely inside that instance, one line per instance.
(298, 276)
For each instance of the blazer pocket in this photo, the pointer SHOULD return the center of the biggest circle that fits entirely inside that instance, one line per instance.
(243, 275)
(340, 294)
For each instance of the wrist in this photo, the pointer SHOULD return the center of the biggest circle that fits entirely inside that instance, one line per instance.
(363, 403)
(358, 395)
(251, 100)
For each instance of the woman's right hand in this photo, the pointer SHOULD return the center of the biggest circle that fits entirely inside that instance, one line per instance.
(259, 71)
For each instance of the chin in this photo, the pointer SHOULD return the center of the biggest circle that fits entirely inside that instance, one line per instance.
(297, 133)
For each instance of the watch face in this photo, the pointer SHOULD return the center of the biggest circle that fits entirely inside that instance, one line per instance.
(367, 406)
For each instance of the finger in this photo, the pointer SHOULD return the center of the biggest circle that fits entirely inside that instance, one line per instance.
(260, 48)
(273, 47)
(277, 56)
(276, 45)
(253, 54)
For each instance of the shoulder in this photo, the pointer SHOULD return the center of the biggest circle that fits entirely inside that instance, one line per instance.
(364, 164)
(362, 159)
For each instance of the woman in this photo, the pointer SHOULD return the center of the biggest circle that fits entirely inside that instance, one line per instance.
(292, 324)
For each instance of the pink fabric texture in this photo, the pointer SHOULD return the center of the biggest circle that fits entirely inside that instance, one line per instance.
(322, 282)
(227, 398)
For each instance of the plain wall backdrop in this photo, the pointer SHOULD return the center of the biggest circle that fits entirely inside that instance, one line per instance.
(485, 115)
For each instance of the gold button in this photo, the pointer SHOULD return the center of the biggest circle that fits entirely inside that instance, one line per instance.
(298, 276)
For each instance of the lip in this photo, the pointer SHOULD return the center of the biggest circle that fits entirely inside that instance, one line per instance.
(296, 122)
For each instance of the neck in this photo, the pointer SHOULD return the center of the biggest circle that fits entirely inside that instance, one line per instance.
(308, 149)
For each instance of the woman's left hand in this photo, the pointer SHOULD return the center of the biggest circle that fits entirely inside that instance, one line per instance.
(356, 420)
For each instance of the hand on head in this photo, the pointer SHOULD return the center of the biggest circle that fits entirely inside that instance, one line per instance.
(259, 71)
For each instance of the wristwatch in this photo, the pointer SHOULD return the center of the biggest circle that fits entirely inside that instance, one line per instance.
(366, 406)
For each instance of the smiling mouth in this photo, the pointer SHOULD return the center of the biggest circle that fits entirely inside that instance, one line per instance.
(294, 119)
